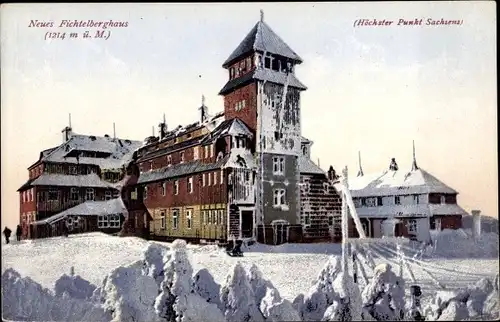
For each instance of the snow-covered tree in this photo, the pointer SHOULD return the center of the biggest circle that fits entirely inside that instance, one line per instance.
(274, 308)
(75, 286)
(205, 286)
(383, 298)
(128, 294)
(321, 294)
(238, 298)
(177, 300)
(477, 296)
(258, 283)
(348, 306)
(155, 257)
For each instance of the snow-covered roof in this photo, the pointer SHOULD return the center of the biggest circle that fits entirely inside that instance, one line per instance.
(307, 166)
(240, 158)
(179, 170)
(398, 182)
(262, 38)
(262, 74)
(87, 180)
(89, 208)
(120, 151)
(447, 209)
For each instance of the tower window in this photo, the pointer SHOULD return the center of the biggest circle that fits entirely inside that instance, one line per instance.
(267, 62)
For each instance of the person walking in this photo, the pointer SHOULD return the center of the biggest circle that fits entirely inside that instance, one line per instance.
(7, 233)
(19, 232)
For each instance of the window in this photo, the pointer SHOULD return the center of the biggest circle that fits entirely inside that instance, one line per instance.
(206, 151)
(151, 166)
(397, 200)
(307, 220)
(72, 169)
(443, 199)
(107, 195)
(190, 185)
(145, 194)
(169, 159)
(102, 222)
(209, 217)
(379, 201)
(32, 193)
(163, 188)
(162, 218)
(23, 195)
(279, 197)
(371, 202)
(221, 176)
(437, 224)
(203, 179)
(278, 165)
(114, 221)
(189, 219)
(215, 178)
(416, 199)
(176, 187)
(204, 217)
(89, 194)
(195, 153)
(247, 176)
(412, 226)
(209, 178)
(221, 217)
(267, 62)
(133, 194)
(175, 219)
(182, 157)
(211, 150)
(231, 73)
(53, 195)
(330, 221)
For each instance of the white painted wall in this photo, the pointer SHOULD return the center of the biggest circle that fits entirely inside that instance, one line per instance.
(423, 229)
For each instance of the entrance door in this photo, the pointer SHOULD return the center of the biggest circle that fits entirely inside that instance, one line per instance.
(246, 223)
(280, 232)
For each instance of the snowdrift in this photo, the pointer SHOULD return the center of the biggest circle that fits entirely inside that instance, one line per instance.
(162, 286)
(460, 244)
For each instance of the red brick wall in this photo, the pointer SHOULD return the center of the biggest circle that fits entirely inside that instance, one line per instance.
(201, 194)
(247, 114)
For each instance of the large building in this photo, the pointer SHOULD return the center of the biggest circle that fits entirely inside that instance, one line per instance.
(413, 199)
(83, 168)
(245, 172)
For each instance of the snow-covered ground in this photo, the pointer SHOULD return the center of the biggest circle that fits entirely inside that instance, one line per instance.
(292, 268)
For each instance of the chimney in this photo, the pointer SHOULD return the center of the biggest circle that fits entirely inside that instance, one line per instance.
(332, 176)
(393, 166)
(67, 131)
(163, 128)
(476, 224)
(203, 110)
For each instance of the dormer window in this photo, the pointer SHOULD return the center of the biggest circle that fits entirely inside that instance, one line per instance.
(443, 199)
(267, 62)
(182, 157)
(304, 150)
(231, 73)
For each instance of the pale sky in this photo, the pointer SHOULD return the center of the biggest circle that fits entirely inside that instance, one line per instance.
(370, 89)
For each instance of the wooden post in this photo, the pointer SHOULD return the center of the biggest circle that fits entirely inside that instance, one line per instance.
(344, 222)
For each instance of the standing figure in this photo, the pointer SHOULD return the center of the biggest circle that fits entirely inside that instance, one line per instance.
(7, 233)
(19, 232)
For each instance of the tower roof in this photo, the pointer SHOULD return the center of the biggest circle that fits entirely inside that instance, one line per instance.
(263, 39)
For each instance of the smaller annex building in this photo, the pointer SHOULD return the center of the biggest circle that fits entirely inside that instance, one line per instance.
(411, 202)
(105, 216)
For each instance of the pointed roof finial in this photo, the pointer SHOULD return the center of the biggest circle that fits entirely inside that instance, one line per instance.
(114, 131)
(360, 172)
(70, 120)
(164, 119)
(261, 15)
(414, 164)
(202, 100)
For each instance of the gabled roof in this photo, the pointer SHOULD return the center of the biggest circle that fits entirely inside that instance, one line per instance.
(263, 39)
(232, 126)
(306, 166)
(398, 182)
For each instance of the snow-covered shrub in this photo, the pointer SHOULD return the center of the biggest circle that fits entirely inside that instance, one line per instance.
(205, 286)
(155, 257)
(459, 243)
(238, 299)
(477, 296)
(74, 286)
(25, 300)
(128, 294)
(259, 284)
(383, 297)
(274, 308)
(177, 300)
(321, 294)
